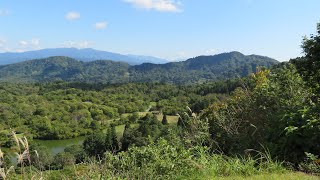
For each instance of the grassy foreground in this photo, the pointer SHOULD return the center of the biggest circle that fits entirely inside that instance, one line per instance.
(80, 172)
(159, 160)
(286, 176)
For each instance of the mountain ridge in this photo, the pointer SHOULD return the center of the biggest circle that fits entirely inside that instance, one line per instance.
(194, 70)
(86, 54)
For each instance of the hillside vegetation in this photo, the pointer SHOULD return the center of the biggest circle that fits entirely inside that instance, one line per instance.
(196, 70)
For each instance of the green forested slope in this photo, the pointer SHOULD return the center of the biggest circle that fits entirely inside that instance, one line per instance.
(198, 69)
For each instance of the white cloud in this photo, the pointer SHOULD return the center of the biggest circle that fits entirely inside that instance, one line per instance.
(23, 43)
(101, 25)
(76, 44)
(4, 12)
(72, 15)
(158, 5)
(33, 44)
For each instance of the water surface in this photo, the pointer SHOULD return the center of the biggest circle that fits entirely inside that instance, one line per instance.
(58, 146)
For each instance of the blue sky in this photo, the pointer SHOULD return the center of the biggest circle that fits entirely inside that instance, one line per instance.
(165, 28)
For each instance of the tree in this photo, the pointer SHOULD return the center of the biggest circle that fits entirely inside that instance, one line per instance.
(63, 159)
(180, 122)
(274, 113)
(94, 145)
(41, 157)
(164, 120)
(125, 140)
(111, 139)
(108, 139)
(114, 139)
(309, 65)
(134, 117)
(77, 151)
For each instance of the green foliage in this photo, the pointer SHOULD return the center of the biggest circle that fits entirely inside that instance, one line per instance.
(5, 140)
(311, 164)
(134, 117)
(149, 128)
(111, 140)
(157, 160)
(63, 159)
(65, 110)
(268, 114)
(41, 157)
(94, 144)
(77, 151)
(199, 69)
(309, 65)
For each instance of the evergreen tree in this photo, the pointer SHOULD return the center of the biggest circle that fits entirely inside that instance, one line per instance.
(180, 122)
(108, 139)
(164, 120)
(94, 145)
(125, 141)
(114, 139)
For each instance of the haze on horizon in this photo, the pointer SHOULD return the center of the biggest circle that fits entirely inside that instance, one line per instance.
(170, 29)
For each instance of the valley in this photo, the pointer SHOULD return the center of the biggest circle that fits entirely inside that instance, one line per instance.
(159, 90)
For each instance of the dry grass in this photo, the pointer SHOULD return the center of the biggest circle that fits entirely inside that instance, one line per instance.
(22, 154)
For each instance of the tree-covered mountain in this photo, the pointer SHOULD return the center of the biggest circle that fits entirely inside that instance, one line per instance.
(66, 69)
(85, 55)
(194, 70)
(201, 68)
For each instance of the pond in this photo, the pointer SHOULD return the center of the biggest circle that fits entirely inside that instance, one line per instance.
(58, 146)
(54, 146)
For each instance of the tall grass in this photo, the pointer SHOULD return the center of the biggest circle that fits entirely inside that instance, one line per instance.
(161, 160)
(23, 161)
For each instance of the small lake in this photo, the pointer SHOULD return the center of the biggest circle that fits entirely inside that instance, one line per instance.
(58, 146)
(54, 146)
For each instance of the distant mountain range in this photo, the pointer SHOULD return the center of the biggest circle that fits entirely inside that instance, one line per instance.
(194, 70)
(85, 55)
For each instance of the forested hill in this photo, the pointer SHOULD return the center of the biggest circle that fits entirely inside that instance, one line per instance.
(198, 69)
(201, 68)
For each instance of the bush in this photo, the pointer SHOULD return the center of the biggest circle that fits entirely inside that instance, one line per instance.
(269, 113)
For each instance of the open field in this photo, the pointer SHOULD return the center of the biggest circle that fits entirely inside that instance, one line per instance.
(171, 119)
